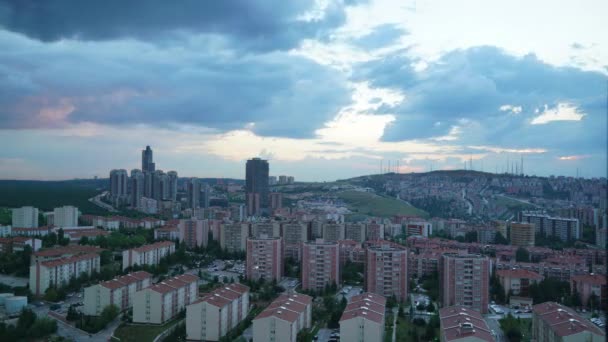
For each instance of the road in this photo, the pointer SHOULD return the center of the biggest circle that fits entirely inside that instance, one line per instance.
(98, 202)
(495, 326)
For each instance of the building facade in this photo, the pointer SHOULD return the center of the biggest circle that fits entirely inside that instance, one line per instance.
(66, 216)
(233, 236)
(386, 271)
(265, 258)
(256, 186)
(58, 272)
(283, 319)
(320, 265)
(363, 319)
(553, 322)
(160, 303)
(147, 254)
(25, 217)
(119, 292)
(464, 281)
(522, 234)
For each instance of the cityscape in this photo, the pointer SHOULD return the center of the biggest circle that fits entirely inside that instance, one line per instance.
(303, 171)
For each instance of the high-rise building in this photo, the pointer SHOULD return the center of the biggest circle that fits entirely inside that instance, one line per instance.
(160, 185)
(194, 233)
(564, 228)
(272, 180)
(265, 258)
(333, 231)
(294, 234)
(522, 234)
(375, 231)
(276, 201)
(205, 196)
(172, 185)
(147, 162)
(137, 187)
(193, 190)
(148, 186)
(267, 228)
(320, 265)
(355, 232)
(25, 217)
(386, 271)
(256, 182)
(233, 236)
(464, 280)
(118, 183)
(66, 216)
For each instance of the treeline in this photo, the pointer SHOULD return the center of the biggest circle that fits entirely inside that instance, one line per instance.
(28, 327)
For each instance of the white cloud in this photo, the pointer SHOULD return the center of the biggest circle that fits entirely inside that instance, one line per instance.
(562, 112)
(511, 108)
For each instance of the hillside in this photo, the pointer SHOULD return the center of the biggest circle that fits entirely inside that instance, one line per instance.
(46, 195)
(374, 205)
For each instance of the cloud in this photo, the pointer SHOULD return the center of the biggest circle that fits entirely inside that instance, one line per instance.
(510, 108)
(473, 84)
(276, 93)
(573, 157)
(381, 36)
(561, 112)
(263, 24)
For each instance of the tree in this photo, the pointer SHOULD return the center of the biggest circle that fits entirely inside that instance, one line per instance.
(471, 236)
(522, 255)
(72, 314)
(500, 240)
(83, 240)
(109, 313)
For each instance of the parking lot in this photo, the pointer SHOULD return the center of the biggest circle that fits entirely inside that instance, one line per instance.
(348, 292)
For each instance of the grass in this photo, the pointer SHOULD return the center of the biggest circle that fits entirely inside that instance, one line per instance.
(48, 195)
(374, 205)
(141, 333)
(511, 203)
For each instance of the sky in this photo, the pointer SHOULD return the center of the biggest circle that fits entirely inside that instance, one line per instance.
(325, 90)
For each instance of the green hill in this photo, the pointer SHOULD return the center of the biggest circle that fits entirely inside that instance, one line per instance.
(374, 205)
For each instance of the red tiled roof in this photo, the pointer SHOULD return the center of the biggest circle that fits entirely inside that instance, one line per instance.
(518, 273)
(285, 315)
(376, 298)
(72, 249)
(72, 259)
(287, 307)
(458, 322)
(161, 288)
(363, 313)
(595, 279)
(563, 320)
(153, 246)
(126, 280)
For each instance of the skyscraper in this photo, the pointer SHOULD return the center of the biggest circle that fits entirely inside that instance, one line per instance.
(147, 162)
(118, 183)
(464, 280)
(172, 186)
(137, 187)
(194, 193)
(160, 184)
(256, 182)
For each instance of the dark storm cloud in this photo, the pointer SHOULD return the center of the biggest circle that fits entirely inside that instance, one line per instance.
(472, 84)
(131, 82)
(260, 24)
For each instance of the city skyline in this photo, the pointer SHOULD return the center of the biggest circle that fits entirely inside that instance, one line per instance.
(324, 90)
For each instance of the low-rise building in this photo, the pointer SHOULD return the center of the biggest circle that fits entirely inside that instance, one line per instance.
(363, 318)
(63, 252)
(553, 322)
(57, 273)
(119, 292)
(18, 243)
(160, 303)
(147, 254)
(216, 313)
(461, 324)
(283, 318)
(589, 286)
(517, 281)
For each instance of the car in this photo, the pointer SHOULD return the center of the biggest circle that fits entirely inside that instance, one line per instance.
(315, 338)
(517, 311)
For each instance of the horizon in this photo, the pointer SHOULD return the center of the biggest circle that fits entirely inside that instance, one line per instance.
(324, 90)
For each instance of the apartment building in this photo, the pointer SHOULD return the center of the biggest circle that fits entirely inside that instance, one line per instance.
(564, 228)
(36, 231)
(267, 228)
(424, 264)
(522, 234)
(374, 231)
(386, 270)
(167, 233)
(66, 216)
(58, 272)
(320, 265)
(363, 319)
(553, 322)
(216, 313)
(588, 285)
(233, 236)
(283, 319)
(18, 243)
(518, 281)
(25, 217)
(418, 228)
(461, 324)
(464, 281)
(5, 231)
(294, 234)
(194, 233)
(333, 231)
(147, 254)
(119, 292)
(160, 303)
(265, 258)
(63, 252)
(355, 232)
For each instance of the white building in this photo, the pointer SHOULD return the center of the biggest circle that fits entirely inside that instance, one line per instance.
(119, 292)
(160, 303)
(283, 319)
(66, 216)
(363, 319)
(215, 314)
(25, 217)
(59, 272)
(148, 205)
(5, 231)
(147, 254)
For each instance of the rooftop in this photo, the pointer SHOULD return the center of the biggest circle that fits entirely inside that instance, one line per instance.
(563, 320)
(519, 273)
